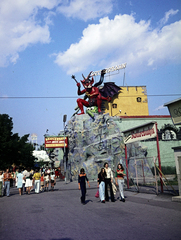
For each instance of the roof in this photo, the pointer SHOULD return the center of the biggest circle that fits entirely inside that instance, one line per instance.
(174, 101)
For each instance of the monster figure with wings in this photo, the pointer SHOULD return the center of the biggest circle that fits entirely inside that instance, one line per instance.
(93, 93)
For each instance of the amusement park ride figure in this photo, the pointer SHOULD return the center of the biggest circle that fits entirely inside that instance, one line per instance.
(95, 94)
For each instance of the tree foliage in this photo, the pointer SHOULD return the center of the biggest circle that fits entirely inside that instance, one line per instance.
(13, 149)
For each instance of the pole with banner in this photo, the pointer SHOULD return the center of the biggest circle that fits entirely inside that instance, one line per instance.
(126, 157)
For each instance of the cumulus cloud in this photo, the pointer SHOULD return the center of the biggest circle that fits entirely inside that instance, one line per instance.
(19, 26)
(120, 40)
(86, 10)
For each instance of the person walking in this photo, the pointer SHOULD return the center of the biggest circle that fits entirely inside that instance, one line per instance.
(119, 179)
(47, 180)
(36, 181)
(82, 178)
(28, 181)
(42, 182)
(101, 184)
(1, 182)
(108, 182)
(20, 177)
(6, 182)
(53, 180)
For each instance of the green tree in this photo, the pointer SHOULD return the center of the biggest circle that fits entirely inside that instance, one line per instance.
(13, 149)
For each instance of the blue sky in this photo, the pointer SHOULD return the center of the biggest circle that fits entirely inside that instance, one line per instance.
(42, 43)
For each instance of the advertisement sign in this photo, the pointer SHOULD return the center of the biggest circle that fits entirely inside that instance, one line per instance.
(56, 142)
(174, 108)
(142, 132)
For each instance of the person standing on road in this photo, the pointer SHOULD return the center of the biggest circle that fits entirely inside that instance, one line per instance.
(6, 182)
(47, 180)
(20, 177)
(1, 182)
(53, 180)
(36, 180)
(108, 181)
(119, 179)
(101, 184)
(82, 178)
(28, 181)
(42, 181)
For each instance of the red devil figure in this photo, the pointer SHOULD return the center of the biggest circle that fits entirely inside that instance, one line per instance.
(92, 92)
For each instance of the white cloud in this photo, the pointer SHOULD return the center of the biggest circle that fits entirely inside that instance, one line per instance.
(159, 108)
(165, 19)
(19, 27)
(86, 10)
(121, 40)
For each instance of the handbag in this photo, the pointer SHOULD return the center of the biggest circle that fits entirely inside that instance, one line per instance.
(97, 194)
(114, 188)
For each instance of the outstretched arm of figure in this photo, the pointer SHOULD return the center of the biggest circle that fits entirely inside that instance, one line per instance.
(79, 92)
(103, 72)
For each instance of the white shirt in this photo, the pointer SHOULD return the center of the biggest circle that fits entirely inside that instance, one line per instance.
(108, 172)
(1, 178)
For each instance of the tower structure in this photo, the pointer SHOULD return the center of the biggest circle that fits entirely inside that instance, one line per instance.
(130, 101)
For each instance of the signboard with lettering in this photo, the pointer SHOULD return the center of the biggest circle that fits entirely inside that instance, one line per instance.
(142, 132)
(174, 108)
(56, 142)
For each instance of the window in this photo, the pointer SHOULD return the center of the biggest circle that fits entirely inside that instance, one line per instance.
(138, 99)
(114, 105)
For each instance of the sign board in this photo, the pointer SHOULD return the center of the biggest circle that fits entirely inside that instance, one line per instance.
(142, 132)
(56, 142)
(174, 108)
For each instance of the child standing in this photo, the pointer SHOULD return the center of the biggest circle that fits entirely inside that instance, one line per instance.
(82, 178)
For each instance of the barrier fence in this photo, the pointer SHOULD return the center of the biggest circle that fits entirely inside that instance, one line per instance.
(145, 176)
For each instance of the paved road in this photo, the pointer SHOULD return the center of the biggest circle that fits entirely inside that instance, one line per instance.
(59, 215)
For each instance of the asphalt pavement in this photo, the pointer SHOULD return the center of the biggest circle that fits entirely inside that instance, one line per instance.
(59, 215)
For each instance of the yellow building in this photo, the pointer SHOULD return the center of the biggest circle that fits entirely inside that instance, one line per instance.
(130, 101)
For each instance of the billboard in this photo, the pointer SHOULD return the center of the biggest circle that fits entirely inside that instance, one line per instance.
(174, 108)
(56, 142)
(142, 132)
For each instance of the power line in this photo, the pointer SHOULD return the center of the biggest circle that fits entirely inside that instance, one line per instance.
(148, 95)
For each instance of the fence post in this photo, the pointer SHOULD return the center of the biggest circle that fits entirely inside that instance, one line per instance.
(155, 176)
(136, 174)
(143, 172)
(126, 157)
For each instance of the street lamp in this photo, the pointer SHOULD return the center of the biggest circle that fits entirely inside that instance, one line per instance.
(64, 157)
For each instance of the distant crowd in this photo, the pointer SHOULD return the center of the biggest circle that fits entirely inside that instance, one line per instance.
(28, 180)
(44, 179)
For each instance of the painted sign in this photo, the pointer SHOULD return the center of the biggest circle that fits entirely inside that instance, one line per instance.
(139, 133)
(56, 142)
(174, 108)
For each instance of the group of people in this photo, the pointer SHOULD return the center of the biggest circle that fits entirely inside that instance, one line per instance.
(27, 180)
(105, 180)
